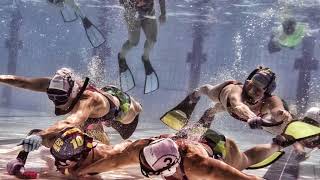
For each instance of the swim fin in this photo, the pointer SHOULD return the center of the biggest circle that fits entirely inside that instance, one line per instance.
(269, 160)
(125, 130)
(218, 141)
(296, 130)
(68, 14)
(300, 130)
(126, 77)
(178, 117)
(151, 81)
(94, 35)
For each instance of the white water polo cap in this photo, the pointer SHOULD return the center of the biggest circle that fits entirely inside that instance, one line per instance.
(163, 156)
(62, 87)
(313, 113)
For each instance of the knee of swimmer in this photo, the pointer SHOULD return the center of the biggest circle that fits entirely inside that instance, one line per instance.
(138, 107)
(134, 42)
(152, 40)
(135, 105)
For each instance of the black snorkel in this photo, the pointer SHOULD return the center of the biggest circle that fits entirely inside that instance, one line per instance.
(59, 112)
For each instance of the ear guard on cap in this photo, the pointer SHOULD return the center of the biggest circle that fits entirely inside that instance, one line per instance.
(162, 156)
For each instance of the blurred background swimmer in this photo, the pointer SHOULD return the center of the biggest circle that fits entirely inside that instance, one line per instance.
(140, 14)
(289, 35)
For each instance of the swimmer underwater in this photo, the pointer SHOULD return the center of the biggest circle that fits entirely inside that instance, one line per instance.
(86, 106)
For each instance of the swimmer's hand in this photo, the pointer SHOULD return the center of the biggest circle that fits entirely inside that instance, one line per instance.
(282, 115)
(68, 168)
(273, 45)
(284, 140)
(302, 156)
(31, 143)
(255, 122)
(194, 96)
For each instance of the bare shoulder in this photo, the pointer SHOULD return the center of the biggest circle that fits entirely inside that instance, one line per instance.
(139, 144)
(86, 102)
(234, 89)
(93, 97)
(199, 167)
(274, 100)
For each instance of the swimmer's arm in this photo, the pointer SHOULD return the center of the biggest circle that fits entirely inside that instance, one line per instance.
(198, 167)
(237, 106)
(162, 7)
(210, 91)
(206, 89)
(276, 33)
(298, 147)
(77, 117)
(125, 158)
(277, 109)
(34, 84)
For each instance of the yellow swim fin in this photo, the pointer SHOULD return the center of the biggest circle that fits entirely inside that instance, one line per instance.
(269, 160)
(301, 130)
(178, 117)
(175, 119)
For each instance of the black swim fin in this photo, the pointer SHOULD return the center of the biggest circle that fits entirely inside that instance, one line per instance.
(126, 77)
(94, 35)
(178, 117)
(68, 14)
(151, 81)
(125, 130)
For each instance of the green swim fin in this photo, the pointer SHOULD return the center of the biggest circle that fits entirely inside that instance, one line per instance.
(126, 77)
(178, 117)
(218, 141)
(269, 160)
(151, 82)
